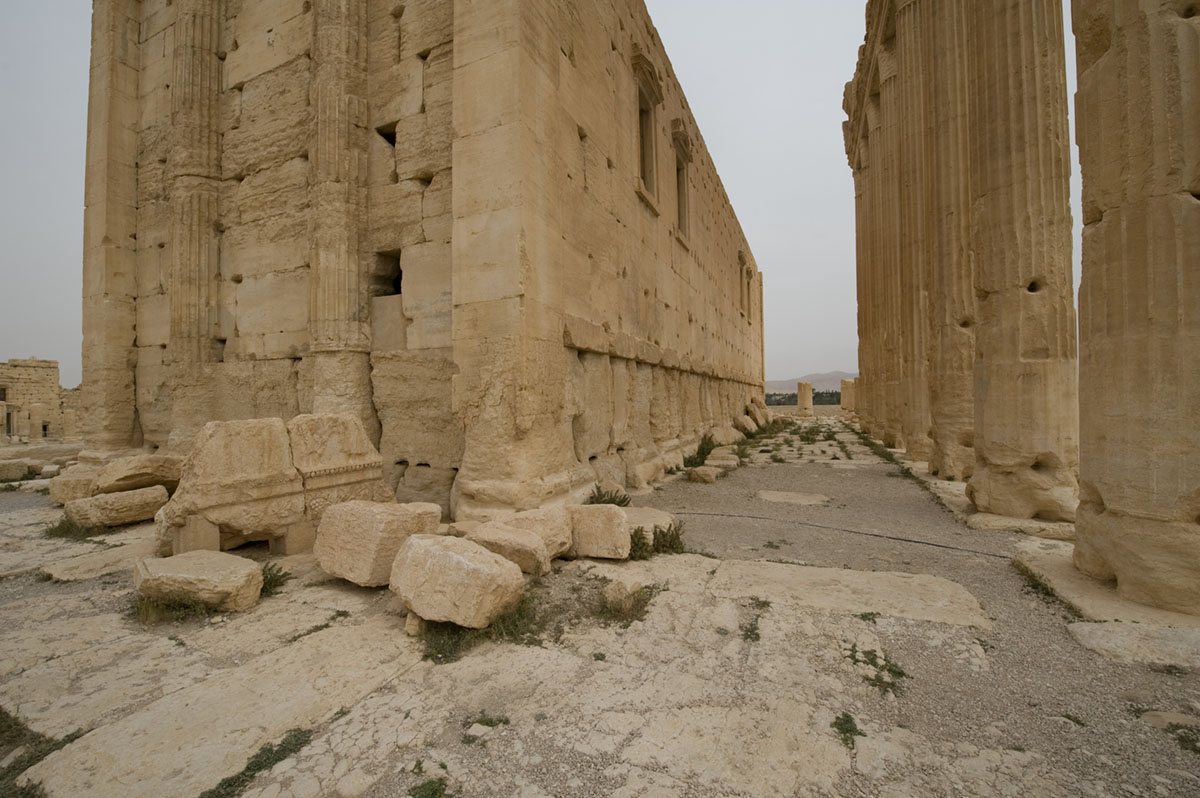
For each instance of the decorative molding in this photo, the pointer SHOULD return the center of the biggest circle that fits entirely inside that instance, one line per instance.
(646, 75)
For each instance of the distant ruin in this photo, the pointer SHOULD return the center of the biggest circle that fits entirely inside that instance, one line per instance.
(958, 139)
(493, 235)
(34, 407)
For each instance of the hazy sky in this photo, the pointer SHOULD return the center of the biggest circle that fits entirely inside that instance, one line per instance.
(764, 81)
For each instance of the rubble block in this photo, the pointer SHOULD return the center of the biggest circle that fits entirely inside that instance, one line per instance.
(11, 470)
(599, 530)
(648, 519)
(224, 582)
(705, 475)
(524, 547)
(239, 476)
(337, 462)
(50, 471)
(139, 471)
(622, 590)
(725, 463)
(358, 540)
(455, 580)
(724, 435)
(552, 524)
(77, 482)
(117, 509)
(758, 414)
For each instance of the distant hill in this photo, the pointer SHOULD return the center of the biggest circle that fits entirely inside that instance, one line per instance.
(829, 381)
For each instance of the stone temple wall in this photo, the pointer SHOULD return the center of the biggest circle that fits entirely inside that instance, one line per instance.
(31, 407)
(434, 214)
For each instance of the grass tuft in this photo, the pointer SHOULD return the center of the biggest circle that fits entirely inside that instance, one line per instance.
(847, 729)
(1037, 586)
(640, 546)
(274, 578)
(15, 734)
(150, 611)
(750, 631)
(703, 450)
(267, 757)
(669, 540)
(433, 788)
(601, 496)
(448, 642)
(66, 529)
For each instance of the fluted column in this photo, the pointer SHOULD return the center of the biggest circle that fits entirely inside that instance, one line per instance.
(338, 301)
(1026, 415)
(876, 307)
(913, 19)
(863, 220)
(1138, 129)
(194, 171)
(952, 281)
(110, 229)
(889, 255)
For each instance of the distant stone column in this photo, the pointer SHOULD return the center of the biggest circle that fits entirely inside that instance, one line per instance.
(913, 21)
(194, 175)
(37, 417)
(889, 240)
(338, 300)
(804, 400)
(863, 220)
(1138, 128)
(848, 399)
(876, 307)
(952, 281)
(110, 229)
(1026, 412)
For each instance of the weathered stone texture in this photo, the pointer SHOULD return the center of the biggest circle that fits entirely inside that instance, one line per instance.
(139, 471)
(117, 509)
(224, 582)
(358, 540)
(455, 580)
(33, 406)
(1139, 140)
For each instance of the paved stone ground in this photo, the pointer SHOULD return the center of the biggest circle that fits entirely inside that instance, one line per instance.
(821, 581)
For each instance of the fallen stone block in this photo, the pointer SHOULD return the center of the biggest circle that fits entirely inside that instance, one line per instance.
(117, 509)
(599, 530)
(139, 471)
(240, 476)
(648, 519)
(454, 580)
(521, 546)
(77, 482)
(706, 475)
(1136, 642)
(623, 589)
(723, 463)
(358, 540)
(224, 582)
(337, 462)
(553, 524)
(12, 470)
(50, 471)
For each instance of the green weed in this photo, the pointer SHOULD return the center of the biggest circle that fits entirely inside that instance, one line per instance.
(601, 496)
(267, 757)
(274, 578)
(847, 729)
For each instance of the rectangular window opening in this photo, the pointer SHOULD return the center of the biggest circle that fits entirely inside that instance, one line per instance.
(681, 195)
(646, 141)
(386, 276)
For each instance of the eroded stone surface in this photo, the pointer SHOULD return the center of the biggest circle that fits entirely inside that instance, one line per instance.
(599, 530)
(358, 540)
(117, 509)
(455, 580)
(213, 578)
(139, 471)
(524, 547)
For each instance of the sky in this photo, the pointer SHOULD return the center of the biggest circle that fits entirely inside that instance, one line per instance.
(764, 82)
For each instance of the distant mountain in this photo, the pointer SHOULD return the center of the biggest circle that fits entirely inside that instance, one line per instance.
(829, 381)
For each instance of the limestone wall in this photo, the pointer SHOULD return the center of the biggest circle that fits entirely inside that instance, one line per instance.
(32, 402)
(425, 213)
(598, 330)
(1139, 141)
(966, 323)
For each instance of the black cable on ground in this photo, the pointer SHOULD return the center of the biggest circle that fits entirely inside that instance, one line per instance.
(850, 531)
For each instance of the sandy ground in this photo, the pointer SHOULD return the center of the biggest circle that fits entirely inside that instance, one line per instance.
(827, 586)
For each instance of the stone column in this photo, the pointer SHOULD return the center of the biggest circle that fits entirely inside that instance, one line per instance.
(862, 270)
(952, 282)
(876, 307)
(913, 21)
(110, 229)
(888, 221)
(338, 300)
(1138, 128)
(193, 179)
(1026, 412)
(848, 399)
(804, 400)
